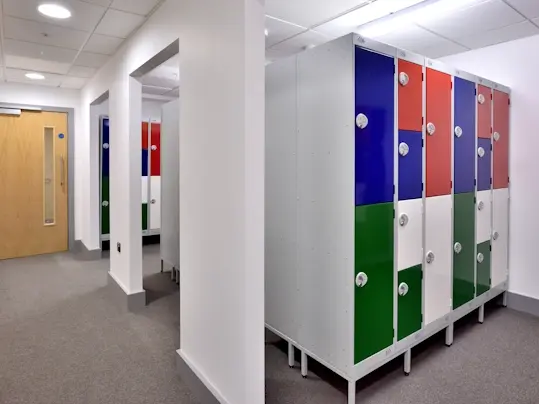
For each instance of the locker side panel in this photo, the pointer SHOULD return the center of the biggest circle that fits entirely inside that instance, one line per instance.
(411, 97)
(438, 143)
(484, 159)
(464, 145)
(500, 235)
(374, 97)
(484, 112)
(155, 203)
(483, 267)
(155, 149)
(326, 211)
(373, 307)
(501, 146)
(438, 274)
(463, 257)
(483, 217)
(281, 270)
(410, 165)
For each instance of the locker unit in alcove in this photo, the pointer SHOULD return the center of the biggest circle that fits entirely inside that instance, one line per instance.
(150, 178)
(378, 224)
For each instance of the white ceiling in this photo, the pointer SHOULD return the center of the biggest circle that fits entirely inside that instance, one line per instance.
(67, 52)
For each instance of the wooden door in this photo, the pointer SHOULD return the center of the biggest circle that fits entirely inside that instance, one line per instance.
(33, 184)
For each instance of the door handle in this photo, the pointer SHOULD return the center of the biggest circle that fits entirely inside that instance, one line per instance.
(62, 170)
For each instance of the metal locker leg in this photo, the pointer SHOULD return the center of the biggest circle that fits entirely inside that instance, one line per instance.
(481, 314)
(173, 274)
(504, 299)
(291, 360)
(449, 335)
(351, 392)
(407, 362)
(303, 364)
(161, 266)
(177, 276)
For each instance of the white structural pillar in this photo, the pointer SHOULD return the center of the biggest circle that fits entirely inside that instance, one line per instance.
(125, 189)
(222, 64)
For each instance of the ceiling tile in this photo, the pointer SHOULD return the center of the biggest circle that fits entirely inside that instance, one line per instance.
(448, 48)
(119, 24)
(142, 7)
(308, 13)
(37, 51)
(73, 82)
(300, 43)
(279, 30)
(82, 71)
(88, 59)
(369, 12)
(480, 17)
(18, 76)
(85, 16)
(493, 37)
(530, 8)
(102, 3)
(30, 64)
(47, 34)
(412, 38)
(103, 44)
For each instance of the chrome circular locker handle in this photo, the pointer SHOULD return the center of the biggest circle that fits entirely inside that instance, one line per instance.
(480, 152)
(153, 201)
(154, 147)
(431, 128)
(361, 279)
(496, 136)
(458, 131)
(430, 257)
(403, 219)
(403, 289)
(480, 257)
(480, 205)
(495, 235)
(105, 146)
(457, 247)
(105, 203)
(404, 149)
(404, 79)
(481, 99)
(362, 121)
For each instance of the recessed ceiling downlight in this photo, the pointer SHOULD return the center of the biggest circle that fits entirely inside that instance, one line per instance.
(54, 11)
(35, 76)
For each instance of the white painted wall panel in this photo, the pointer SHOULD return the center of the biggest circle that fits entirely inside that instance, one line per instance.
(483, 216)
(155, 203)
(500, 224)
(410, 236)
(438, 274)
(326, 212)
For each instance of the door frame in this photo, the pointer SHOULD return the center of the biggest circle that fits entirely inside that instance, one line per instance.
(70, 160)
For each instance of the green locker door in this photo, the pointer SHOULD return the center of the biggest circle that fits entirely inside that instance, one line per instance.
(105, 206)
(409, 301)
(463, 248)
(373, 328)
(483, 267)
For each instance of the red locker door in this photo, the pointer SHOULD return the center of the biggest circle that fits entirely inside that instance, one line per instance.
(410, 97)
(438, 143)
(156, 149)
(484, 112)
(501, 145)
(145, 135)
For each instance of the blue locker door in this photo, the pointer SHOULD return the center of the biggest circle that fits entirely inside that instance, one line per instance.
(105, 162)
(374, 87)
(483, 164)
(410, 165)
(465, 144)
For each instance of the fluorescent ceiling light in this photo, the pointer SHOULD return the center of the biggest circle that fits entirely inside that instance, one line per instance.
(35, 76)
(431, 10)
(54, 11)
(266, 32)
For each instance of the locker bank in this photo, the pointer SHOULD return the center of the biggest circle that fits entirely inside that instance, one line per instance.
(387, 202)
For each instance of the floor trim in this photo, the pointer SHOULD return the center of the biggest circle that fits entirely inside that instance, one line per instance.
(132, 302)
(199, 385)
(83, 254)
(523, 303)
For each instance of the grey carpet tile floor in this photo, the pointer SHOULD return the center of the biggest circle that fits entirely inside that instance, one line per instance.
(62, 340)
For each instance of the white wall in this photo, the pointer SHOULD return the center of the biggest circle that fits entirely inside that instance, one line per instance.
(59, 98)
(222, 170)
(516, 64)
(151, 110)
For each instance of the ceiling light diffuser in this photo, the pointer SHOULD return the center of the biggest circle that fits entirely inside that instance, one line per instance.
(35, 76)
(53, 10)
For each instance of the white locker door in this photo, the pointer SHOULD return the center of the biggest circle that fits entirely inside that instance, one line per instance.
(500, 236)
(483, 216)
(410, 233)
(437, 273)
(155, 203)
